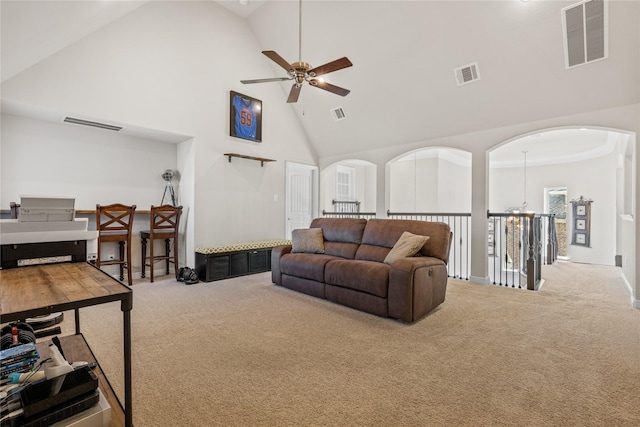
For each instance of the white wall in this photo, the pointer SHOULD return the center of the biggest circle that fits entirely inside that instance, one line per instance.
(454, 187)
(414, 185)
(92, 165)
(506, 189)
(328, 188)
(370, 194)
(429, 181)
(169, 66)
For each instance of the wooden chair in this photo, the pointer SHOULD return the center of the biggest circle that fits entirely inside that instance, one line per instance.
(164, 223)
(114, 223)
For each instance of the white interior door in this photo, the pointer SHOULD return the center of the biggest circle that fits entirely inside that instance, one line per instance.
(301, 196)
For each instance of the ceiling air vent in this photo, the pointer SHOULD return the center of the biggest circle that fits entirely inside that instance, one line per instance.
(93, 124)
(585, 29)
(338, 114)
(467, 74)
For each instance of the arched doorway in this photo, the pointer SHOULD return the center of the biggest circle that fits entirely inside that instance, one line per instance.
(348, 186)
(530, 171)
(554, 170)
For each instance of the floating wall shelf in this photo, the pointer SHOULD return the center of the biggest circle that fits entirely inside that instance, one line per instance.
(242, 156)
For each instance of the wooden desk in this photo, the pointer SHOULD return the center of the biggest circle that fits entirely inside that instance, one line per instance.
(42, 289)
(93, 211)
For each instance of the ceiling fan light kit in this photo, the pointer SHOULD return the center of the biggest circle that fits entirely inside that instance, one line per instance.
(301, 72)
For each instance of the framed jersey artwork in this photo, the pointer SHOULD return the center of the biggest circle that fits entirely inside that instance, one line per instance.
(245, 117)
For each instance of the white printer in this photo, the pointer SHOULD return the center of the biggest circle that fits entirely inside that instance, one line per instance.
(45, 231)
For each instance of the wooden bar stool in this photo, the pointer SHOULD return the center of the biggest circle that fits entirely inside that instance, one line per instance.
(114, 223)
(15, 208)
(164, 222)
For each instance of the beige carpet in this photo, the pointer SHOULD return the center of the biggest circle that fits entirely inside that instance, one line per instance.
(243, 352)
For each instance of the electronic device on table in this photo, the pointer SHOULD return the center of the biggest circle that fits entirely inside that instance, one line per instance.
(44, 402)
(46, 231)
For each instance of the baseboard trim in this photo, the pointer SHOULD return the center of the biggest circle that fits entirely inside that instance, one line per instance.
(634, 302)
(540, 284)
(480, 280)
(159, 274)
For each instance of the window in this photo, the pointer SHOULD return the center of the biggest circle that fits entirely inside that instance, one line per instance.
(557, 202)
(345, 184)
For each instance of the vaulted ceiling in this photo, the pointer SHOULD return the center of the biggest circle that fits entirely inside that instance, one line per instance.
(403, 88)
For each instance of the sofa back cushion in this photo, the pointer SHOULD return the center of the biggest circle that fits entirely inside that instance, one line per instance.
(342, 236)
(381, 234)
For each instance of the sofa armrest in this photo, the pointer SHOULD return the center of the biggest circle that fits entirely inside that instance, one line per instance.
(417, 285)
(276, 254)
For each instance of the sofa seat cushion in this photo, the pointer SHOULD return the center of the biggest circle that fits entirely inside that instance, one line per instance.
(306, 266)
(364, 276)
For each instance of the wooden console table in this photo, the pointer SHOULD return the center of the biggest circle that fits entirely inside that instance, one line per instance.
(43, 289)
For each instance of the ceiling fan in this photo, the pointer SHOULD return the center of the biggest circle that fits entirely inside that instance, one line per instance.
(302, 72)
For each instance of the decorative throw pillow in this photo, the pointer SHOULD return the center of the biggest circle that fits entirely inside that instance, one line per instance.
(407, 245)
(309, 240)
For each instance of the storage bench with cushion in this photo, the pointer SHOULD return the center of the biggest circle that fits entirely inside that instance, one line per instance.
(387, 267)
(225, 261)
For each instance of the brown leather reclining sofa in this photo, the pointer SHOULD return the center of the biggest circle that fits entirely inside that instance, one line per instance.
(352, 271)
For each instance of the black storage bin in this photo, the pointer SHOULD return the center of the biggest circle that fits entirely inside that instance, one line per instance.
(239, 264)
(259, 261)
(220, 266)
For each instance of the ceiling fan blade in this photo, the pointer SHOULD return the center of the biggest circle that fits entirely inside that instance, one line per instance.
(274, 79)
(272, 55)
(295, 93)
(329, 87)
(329, 67)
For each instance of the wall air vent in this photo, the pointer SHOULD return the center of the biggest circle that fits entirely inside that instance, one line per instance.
(467, 74)
(93, 124)
(338, 114)
(585, 32)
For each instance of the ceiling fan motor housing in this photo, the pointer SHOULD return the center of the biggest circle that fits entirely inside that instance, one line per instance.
(300, 73)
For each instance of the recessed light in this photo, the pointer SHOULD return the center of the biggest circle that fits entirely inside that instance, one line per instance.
(243, 2)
